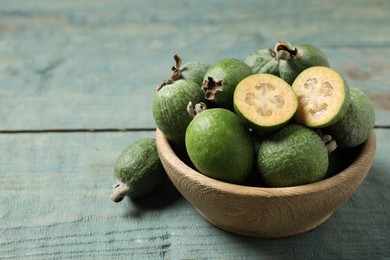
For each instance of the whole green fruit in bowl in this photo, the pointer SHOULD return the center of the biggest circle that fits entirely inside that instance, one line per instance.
(221, 80)
(285, 60)
(170, 108)
(219, 145)
(358, 121)
(193, 70)
(292, 147)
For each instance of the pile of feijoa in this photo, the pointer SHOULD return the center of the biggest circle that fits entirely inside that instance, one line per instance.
(280, 115)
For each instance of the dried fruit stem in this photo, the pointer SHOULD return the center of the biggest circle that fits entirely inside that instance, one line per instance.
(193, 111)
(175, 75)
(285, 51)
(119, 191)
(211, 87)
(328, 140)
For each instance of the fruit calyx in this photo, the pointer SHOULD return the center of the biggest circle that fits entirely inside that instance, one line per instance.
(284, 51)
(330, 143)
(195, 110)
(176, 73)
(211, 87)
(119, 191)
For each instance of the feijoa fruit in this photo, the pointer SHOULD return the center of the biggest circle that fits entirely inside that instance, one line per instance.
(355, 126)
(193, 70)
(265, 102)
(323, 97)
(138, 170)
(221, 80)
(293, 155)
(220, 146)
(170, 108)
(285, 60)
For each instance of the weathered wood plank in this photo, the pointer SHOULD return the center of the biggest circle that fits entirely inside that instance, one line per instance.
(94, 64)
(332, 23)
(54, 203)
(119, 100)
(91, 64)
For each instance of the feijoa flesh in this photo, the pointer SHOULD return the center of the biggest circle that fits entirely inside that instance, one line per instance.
(220, 146)
(265, 102)
(293, 155)
(323, 97)
(221, 80)
(355, 126)
(138, 170)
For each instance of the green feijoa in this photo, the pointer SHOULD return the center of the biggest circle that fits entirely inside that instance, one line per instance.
(219, 146)
(285, 60)
(323, 97)
(170, 108)
(221, 80)
(293, 155)
(193, 70)
(355, 126)
(263, 61)
(138, 170)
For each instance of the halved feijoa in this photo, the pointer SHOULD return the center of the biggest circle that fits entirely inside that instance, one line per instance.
(265, 102)
(323, 97)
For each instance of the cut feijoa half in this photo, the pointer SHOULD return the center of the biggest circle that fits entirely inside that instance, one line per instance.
(323, 97)
(264, 102)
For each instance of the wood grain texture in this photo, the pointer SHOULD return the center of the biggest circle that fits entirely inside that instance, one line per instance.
(55, 203)
(84, 64)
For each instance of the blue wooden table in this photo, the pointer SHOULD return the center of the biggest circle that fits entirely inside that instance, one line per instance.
(77, 80)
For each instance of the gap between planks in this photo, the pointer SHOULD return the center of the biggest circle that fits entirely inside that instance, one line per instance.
(106, 130)
(75, 130)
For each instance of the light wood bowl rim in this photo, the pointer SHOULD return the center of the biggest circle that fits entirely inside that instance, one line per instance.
(366, 155)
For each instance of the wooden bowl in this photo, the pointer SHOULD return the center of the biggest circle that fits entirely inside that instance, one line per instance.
(265, 212)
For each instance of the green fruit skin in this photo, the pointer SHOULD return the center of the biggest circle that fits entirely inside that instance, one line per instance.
(262, 61)
(195, 71)
(219, 146)
(355, 126)
(311, 56)
(293, 155)
(230, 71)
(139, 167)
(170, 108)
(258, 129)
